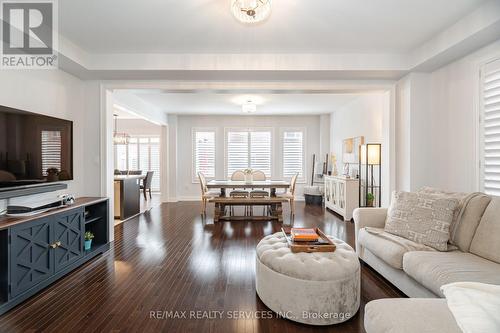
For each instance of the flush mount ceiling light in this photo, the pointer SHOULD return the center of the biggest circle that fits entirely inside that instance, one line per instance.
(251, 11)
(249, 107)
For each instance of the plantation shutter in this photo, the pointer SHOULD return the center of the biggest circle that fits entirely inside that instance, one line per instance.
(133, 154)
(260, 152)
(143, 155)
(491, 128)
(293, 154)
(51, 150)
(204, 153)
(154, 163)
(248, 149)
(121, 157)
(237, 152)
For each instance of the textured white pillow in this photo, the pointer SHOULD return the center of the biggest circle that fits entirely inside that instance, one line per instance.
(421, 217)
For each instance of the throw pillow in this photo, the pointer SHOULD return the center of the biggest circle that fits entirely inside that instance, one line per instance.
(422, 218)
(446, 194)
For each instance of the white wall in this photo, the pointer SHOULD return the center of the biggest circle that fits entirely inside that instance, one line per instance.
(56, 93)
(455, 95)
(437, 118)
(186, 189)
(361, 117)
(365, 116)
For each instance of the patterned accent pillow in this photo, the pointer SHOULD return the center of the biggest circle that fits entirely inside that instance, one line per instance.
(422, 218)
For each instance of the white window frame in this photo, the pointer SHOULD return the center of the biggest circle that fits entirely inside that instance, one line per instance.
(480, 146)
(194, 176)
(249, 129)
(138, 137)
(303, 179)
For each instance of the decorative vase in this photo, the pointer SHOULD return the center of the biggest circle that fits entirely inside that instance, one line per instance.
(248, 178)
(369, 202)
(88, 244)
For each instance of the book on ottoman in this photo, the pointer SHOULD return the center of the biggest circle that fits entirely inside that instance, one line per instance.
(304, 235)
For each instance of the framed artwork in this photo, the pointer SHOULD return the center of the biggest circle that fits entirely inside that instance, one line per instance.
(350, 149)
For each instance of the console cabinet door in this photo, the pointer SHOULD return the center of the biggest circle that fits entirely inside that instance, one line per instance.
(69, 229)
(31, 257)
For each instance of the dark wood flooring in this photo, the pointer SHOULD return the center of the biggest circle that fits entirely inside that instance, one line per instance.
(169, 259)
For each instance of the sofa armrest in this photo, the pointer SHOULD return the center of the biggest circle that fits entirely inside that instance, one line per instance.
(368, 217)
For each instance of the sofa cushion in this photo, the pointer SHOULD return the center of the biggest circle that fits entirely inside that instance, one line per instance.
(486, 239)
(421, 217)
(388, 247)
(466, 227)
(409, 315)
(434, 269)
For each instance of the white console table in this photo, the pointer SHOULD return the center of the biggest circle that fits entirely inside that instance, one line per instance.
(342, 195)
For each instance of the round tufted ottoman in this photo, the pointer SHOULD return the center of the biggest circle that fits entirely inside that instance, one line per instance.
(320, 288)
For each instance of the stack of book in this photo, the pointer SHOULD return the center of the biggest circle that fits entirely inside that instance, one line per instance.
(304, 235)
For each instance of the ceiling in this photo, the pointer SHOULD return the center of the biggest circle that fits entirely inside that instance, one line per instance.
(295, 26)
(230, 103)
(122, 113)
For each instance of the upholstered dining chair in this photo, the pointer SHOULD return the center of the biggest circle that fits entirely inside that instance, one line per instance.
(205, 193)
(146, 184)
(290, 193)
(259, 175)
(239, 175)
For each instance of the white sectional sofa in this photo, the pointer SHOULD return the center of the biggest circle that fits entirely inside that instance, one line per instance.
(420, 271)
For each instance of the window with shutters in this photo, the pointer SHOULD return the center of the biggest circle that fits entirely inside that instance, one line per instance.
(490, 128)
(142, 153)
(203, 153)
(51, 150)
(248, 148)
(293, 153)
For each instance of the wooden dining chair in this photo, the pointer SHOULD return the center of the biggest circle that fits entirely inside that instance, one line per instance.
(205, 193)
(290, 194)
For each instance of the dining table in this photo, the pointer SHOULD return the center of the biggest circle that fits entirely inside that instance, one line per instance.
(272, 185)
(274, 202)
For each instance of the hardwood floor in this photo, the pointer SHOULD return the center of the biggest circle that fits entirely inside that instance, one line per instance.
(169, 259)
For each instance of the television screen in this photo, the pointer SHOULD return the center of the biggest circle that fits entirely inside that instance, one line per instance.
(34, 149)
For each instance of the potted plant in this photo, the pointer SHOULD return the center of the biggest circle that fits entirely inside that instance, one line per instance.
(52, 175)
(369, 199)
(248, 176)
(88, 240)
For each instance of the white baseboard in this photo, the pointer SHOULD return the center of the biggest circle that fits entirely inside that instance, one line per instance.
(189, 198)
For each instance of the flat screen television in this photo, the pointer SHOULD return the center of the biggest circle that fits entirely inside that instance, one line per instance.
(34, 149)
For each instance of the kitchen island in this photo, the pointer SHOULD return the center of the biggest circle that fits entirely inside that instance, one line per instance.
(127, 196)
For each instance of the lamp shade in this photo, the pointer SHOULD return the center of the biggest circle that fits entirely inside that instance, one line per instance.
(370, 153)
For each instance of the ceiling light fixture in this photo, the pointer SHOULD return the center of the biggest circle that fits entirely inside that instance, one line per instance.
(119, 138)
(251, 11)
(249, 107)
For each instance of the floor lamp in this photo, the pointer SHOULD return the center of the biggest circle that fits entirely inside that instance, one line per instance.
(370, 156)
